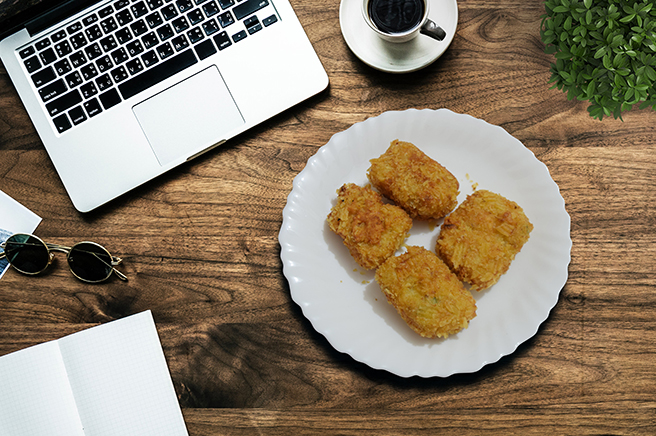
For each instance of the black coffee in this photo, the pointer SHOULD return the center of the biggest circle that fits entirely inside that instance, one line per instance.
(396, 16)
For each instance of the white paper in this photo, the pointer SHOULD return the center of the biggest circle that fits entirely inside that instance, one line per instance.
(110, 380)
(14, 218)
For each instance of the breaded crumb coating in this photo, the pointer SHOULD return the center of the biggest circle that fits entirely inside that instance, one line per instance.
(414, 181)
(427, 295)
(371, 229)
(480, 239)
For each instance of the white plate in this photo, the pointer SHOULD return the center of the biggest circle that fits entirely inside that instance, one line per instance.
(392, 57)
(345, 304)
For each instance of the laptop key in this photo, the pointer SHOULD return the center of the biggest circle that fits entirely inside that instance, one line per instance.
(205, 49)
(77, 115)
(226, 19)
(42, 44)
(180, 42)
(89, 71)
(58, 36)
(165, 50)
(26, 52)
(74, 28)
(157, 73)
(134, 66)
(149, 58)
(124, 17)
(139, 28)
(32, 64)
(225, 4)
(92, 107)
(184, 5)
(52, 91)
(93, 51)
(64, 103)
(195, 35)
(61, 123)
(63, 67)
(48, 56)
(239, 36)
(222, 40)
(93, 32)
(88, 90)
(78, 40)
(246, 8)
(78, 59)
(109, 98)
(74, 79)
(195, 17)
(89, 20)
(139, 9)
(104, 82)
(44, 76)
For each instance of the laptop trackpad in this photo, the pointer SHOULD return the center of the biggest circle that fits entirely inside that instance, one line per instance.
(199, 111)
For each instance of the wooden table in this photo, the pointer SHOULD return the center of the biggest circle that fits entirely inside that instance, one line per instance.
(201, 251)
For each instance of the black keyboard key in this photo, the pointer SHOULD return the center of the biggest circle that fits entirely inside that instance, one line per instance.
(42, 44)
(180, 42)
(87, 21)
(154, 4)
(165, 32)
(109, 98)
(63, 49)
(124, 17)
(106, 11)
(158, 73)
(78, 59)
(121, 4)
(165, 50)
(134, 66)
(93, 51)
(123, 35)
(222, 40)
(74, 28)
(119, 74)
(195, 35)
(139, 27)
(150, 40)
(239, 36)
(169, 12)
(184, 5)
(153, 20)
(205, 49)
(119, 56)
(211, 9)
(139, 9)
(210, 27)
(104, 82)
(61, 123)
(149, 58)
(64, 103)
(89, 71)
(32, 64)
(77, 115)
(134, 48)
(225, 4)
(92, 107)
(109, 25)
(195, 17)
(58, 36)
(26, 52)
(63, 67)
(44, 76)
(93, 32)
(255, 27)
(180, 24)
(88, 90)
(52, 91)
(74, 79)
(104, 64)
(108, 43)
(48, 56)
(246, 8)
(78, 40)
(226, 19)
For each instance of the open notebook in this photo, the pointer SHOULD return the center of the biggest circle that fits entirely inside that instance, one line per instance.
(109, 380)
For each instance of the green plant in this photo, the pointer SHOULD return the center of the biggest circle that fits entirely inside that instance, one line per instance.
(605, 52)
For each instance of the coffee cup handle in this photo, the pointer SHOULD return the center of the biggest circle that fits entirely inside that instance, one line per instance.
(433, 30)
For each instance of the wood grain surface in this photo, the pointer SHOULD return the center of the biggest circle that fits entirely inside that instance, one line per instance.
(201, 251)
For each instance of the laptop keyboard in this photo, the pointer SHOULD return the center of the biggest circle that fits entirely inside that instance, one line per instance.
(126, 47)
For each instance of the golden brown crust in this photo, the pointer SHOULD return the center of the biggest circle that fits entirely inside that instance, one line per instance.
(414, 181)
(480, 239)
(371, 229)
(427, 295)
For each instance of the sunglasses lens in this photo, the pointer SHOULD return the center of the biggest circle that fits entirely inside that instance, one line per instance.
(90, 262)
(27, 253)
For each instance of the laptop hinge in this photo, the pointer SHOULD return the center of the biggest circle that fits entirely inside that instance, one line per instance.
(56, 15)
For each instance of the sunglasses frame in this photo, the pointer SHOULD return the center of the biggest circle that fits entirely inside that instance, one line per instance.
(115, 261)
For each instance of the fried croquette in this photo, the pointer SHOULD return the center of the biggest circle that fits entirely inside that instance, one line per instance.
(480, 239)
(415, 182)
(371, 230)
(427, 295)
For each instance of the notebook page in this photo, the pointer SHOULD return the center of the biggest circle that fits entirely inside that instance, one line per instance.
(35, 396)
(120, 380)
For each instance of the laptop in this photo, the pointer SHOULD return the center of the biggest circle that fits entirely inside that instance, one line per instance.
(121, 91)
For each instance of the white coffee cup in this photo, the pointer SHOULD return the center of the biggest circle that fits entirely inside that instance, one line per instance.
(392, 23)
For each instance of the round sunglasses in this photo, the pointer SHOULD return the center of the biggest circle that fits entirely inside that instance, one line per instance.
(88, 261)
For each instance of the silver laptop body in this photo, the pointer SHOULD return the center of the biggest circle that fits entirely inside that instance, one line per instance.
(154, 103)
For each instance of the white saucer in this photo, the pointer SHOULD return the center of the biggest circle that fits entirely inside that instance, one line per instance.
(393, 57)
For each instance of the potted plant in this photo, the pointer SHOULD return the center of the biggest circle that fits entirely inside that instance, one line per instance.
(605, 52)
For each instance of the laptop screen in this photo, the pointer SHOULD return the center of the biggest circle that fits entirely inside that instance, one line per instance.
(15, 13)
